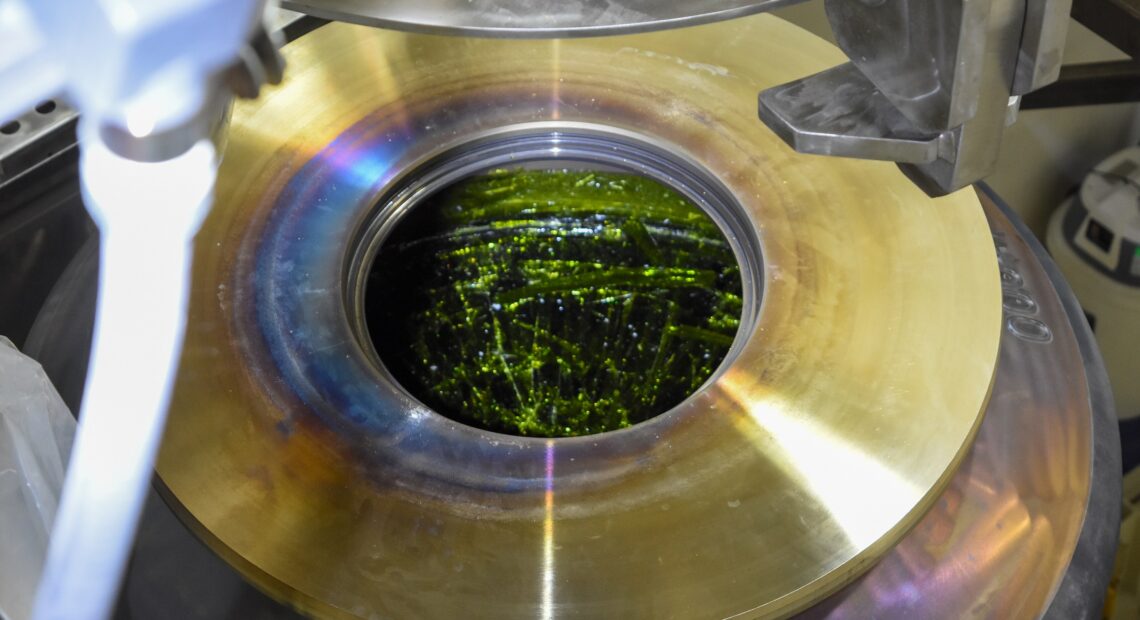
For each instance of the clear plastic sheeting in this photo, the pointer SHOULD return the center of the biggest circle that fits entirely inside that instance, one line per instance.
(36, 430)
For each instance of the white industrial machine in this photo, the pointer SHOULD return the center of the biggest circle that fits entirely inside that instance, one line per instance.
(1095, 238)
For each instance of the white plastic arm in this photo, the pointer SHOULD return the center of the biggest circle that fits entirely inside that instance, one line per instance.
(148, 214)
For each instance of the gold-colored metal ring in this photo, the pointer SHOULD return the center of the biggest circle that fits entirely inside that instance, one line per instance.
(837, 419)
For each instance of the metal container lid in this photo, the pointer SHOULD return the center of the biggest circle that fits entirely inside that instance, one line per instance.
(531, 18)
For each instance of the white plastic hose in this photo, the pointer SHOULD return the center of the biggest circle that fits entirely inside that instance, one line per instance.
(148, 214)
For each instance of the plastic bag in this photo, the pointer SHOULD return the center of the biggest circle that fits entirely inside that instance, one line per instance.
(36, 430)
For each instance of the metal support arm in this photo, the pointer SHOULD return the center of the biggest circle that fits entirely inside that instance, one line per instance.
(931, 84)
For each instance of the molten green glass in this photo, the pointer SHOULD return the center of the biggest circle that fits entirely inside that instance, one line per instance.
(554, 303)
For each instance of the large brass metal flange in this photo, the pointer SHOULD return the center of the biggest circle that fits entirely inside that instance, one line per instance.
(853, 390)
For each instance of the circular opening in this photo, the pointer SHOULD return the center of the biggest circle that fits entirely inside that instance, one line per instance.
(552, 296)
(10, 128)
(46, 107)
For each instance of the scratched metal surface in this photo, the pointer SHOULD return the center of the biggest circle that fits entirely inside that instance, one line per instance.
(999, 541)
(805, 458)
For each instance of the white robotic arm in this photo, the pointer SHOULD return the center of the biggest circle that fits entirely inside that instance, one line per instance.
(148, 77)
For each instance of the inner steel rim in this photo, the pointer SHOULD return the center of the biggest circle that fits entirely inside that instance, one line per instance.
(557, 145)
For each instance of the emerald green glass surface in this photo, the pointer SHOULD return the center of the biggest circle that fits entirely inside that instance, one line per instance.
(554, 303)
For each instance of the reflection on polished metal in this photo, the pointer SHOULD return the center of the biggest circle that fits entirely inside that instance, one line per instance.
(170, 568)
(1000, 539)
(528, 18)
(930, 85)
(837, 419)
